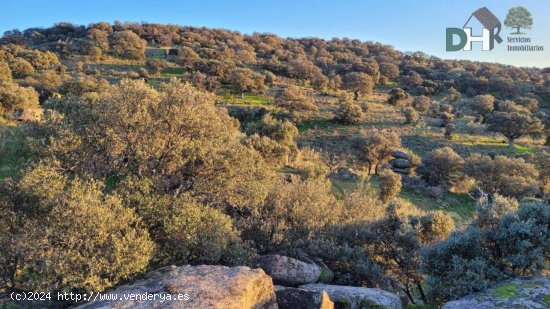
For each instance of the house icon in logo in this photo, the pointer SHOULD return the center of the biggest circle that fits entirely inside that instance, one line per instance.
(490, 32)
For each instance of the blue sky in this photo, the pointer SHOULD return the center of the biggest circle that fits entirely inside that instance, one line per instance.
(407, 25)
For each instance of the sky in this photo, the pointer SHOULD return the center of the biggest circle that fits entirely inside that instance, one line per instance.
(408, 25)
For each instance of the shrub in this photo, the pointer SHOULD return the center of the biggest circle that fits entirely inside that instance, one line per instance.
(296, 102)
(293, 212)
(421, 103)
(185, 231)
(390, 185)
(270, 150)
(361, 84)
(21, 68)
(14, 97)
(529, 103)
(449, 130)
(503, 175)
(471, 260)
(396, 95)
(436, 226)
(436, 192)
(205, 156)
(155, 66)
(483, 105)
(309, 164)
(442, 166)
(73, 236)
(127, 45)
(489, 212)
(411, 116)
(5, 72)
(348, 112)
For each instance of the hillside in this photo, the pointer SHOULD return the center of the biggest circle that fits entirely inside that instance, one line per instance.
(178, 145)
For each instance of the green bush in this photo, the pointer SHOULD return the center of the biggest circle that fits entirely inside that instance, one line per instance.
(442, 166)
(471, 260)
(390, 185)
(61, 234)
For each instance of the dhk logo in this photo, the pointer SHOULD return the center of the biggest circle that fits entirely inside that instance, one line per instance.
(490, 32)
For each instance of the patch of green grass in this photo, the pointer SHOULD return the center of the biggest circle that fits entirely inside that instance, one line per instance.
(316, 124)
(13, 150)
(246, 99)
(506, 291)
(111, 182)
(512, 290)
(460, 204)
(524, 149)
(546, 299)
(172, 71)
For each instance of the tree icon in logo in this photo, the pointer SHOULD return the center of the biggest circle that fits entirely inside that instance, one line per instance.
(518, 17)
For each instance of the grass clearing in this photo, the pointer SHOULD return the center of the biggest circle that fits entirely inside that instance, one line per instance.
(172, 71)
(246, 99)
(13, 150)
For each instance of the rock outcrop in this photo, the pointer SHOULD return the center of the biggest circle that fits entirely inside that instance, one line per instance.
(292, 298)
(216, 287)
(357, 297)
(345, 174)
(518, 293)
(401, 163)
(288, 271)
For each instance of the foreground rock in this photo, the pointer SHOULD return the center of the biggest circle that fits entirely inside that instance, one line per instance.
(288, 271)
(357, 297)
(215, 287)
(517, 293)
(292, 298)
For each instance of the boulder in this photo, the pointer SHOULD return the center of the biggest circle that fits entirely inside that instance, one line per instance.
(292, 298)
(400, 163)
(344, 173)
(288, 271)
(517, 293)
(357, 297)
(196, 287)
(400, 155)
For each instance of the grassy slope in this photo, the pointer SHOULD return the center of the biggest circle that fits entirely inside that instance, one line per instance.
(322, 134)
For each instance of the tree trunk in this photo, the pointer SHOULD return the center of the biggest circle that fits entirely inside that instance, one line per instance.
(510, 142)
(409, 295)
(356, 95)
(518, 28)
(422, 295)
(548, 140)
(370, 167)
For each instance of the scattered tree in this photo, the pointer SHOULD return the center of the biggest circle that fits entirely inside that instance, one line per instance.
(360, 84)
(514, 125)
(503, 175)
(421, 103)
(442, 166)
(483, 104)
(390, 185)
